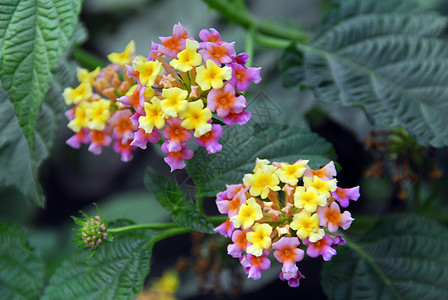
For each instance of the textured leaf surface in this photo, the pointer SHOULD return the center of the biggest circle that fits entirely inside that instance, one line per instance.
(19, 163)
(33, 37)
(169, 194)
(242, 145)
(115, 271)
(386, 57)
(21, 270)
(402, 257)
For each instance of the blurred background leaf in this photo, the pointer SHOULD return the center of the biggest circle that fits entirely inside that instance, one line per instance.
(378, 55)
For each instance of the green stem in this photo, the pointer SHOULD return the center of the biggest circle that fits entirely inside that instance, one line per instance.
(250, 36)
(169, 233)
(271, 42)
(234, 13)
(87, 59)
(142, 227)
(217, 220)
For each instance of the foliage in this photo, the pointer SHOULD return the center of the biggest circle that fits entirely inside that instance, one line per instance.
(402, 257)
(21, 269)
(377, 55)
(386, 57)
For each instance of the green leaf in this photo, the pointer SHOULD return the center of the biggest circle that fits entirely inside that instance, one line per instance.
(386, 57)
(21, 270)
(402, 257)
(115, 271)
(33, 37)
(19, 163)
(243, 144)
(176, 201)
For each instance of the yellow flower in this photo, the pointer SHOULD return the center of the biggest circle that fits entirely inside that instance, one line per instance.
(309, 199)
(85, 75)
(322, 186)
(187, 58)
(98, 113)
(211, 75)
(123, 58)
(290, 174)
(148, 70)
(307, 226)
(81, 120)
(264, 180)
(196, 117)
(74, 96)
(259, 163)
(174, 102)
(259, 238)
(248, 213)
(154, 116)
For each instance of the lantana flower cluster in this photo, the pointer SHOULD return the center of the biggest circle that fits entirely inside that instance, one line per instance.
(285, 210)
(184, 89)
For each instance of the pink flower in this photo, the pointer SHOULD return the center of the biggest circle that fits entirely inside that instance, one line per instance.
(242, 76)
(230, 206)
(288, 254)
(344, 195)
(239, 118)
(125, 149)
(239, 243)
(172, 45)
(225, 228)
(141, 138)
(331, 217)
(321, 247)
(255, 264)
(81, 137)
(136, 99)
(294, 281)
(224, 101)
(175, 134)
(327, 172)
(211, 35)
(221, 53)
(122, 127)
(99, 139)
(241, 58)
(176, 159)
(209, 140)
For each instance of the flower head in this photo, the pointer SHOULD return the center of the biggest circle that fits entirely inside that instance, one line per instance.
(285, 209)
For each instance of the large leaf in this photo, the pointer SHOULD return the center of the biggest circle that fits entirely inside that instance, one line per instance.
(384, 56)
(115, 271)
(242, 145)
(33, 37)
(177, 202)
(402, 257)
(21, 270)
(19, 163)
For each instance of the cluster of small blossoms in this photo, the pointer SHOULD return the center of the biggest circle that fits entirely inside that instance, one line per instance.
(184, 89)
(287, 210)
(92, 233)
